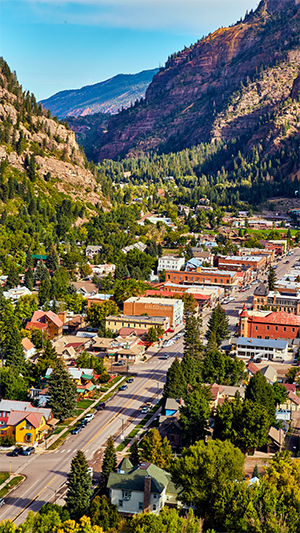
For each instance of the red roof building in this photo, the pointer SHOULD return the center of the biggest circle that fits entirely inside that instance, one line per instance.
(268, 324)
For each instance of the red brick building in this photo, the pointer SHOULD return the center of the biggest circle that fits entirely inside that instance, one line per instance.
(268, 325)
(256, 262)
(203, 276)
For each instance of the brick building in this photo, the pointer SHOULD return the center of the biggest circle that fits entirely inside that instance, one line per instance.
(204, 276)
(282, 299)
(279, 247)
(256, 262)
(268, 324)
(160, 307)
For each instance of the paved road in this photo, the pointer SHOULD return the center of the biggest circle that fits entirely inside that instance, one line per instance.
(47, 472)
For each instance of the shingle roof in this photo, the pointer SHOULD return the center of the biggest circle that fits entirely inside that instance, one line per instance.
(261, 290)
(135, 479)
(16, 417)
(27, 344)
(286, 319)
(294, 398)
(269, 372)
(252, 368)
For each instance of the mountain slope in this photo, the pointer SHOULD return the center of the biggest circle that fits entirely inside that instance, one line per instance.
(233, 81)
(106, 97)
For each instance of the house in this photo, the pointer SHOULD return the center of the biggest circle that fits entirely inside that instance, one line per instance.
(140, 246)
(203, 256)
(48, 321)
(85, 288)
(169, 427)
(292, 402)
(26, 428)
(29, 348)
(192, 265)
(170, 262)
(77, 343)
(73, 325)
(91, 251)
(268, 324)
(143, 488)
(16, 293)
(263, 348)
(277, 436)
(270, 374)
(252, 369)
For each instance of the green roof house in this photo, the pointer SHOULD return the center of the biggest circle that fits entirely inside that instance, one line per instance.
(143, 488)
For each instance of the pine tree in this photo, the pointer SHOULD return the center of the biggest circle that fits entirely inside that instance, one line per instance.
(134, 455)
(156, 450)
(52, 261)
(62, 392)
(272, 279)
(14, 351)
(261, 392)
(29, 259)
(192, 343)
(219, 325)
(13, 278)
(44, 291)
(29, 279)
(175, 385)
(109, 463)
(255, 472)
(79, 484)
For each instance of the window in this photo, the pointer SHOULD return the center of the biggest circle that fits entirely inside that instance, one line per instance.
(126, 494)
(268, 327)
(154, 507)
(120, 503)
(284, 329)
(155, 496)
(259, 336)
(180, 278)
(216, 280)
(293, 329)
(255, 328)
(28, 426)
(276, 328)
(141, 505)
(267, 337)
(227, 281)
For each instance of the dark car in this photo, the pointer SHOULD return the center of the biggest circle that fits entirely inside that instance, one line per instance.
(258, 360)
(29, 450)
(83, 423)
(16, 452)
(76, 430)
(130, 380)
(123, 387)
(100, 406)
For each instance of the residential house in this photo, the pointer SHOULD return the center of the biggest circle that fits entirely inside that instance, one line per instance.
(49, 322)
(270, 374)
(203, 255)
(169, 427)
(277, 437)
(29, 348)
(99, 298)
(73, 325)
(26, 428)
(292, 402)
(170, 262)
(252, 369)
(15, 293)
(92, 250)
(86, 288)
(143, 488)
(140, 246)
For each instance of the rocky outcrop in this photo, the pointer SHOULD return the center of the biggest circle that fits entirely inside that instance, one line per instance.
(296, 88)
(198, 85)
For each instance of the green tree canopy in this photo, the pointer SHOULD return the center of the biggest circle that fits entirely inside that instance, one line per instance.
(156, 450)
(79, 484)
(218, 324)
(62, 392)
(109, 463)
(194, 414)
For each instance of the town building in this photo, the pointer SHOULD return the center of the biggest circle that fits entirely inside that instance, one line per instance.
(92, 250)
(277, 246)
(115, 323)
(262, 348)
(29, 348)
(170, 262)
(268, 324)
(155, 307)
(206, 276)
(283, 299)
(15, 293)
(203, 255)
(193, 264)
(256, 262)
(141, 489)
(47, 321)
(268, 254)
(140, 246)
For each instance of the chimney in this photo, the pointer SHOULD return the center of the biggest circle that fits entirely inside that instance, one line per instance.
(181, 401)
(62, 315)
(147, 493)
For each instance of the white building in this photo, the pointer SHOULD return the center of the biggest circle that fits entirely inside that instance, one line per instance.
(170, 262)
(263, 348)
(16, 293)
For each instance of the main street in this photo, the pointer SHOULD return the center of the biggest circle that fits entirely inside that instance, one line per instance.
(46, 473)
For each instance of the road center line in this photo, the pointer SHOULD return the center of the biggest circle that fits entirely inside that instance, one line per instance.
(22, 511)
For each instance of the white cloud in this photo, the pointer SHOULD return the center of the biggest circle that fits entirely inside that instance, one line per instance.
(171, 15)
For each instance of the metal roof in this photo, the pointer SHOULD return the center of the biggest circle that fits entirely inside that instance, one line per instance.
(261, 343)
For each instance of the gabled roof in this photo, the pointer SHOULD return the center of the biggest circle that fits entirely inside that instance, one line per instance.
(39, 316)
(134, 479)
(277, 435)
(261, 290)
(27, 344)
(294, 398)
(125, 465)
(14, 405)
(16, 417)
(172, 404)
(252, 368)
(269, 372)
(289, 386)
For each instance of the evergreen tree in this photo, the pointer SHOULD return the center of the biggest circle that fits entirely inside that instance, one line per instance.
(175, 386)
(109, 463)
(191, 342)
(121, 272)
(79, 484)
(134, 455)
(29, 259)
(13, 278)
(62, 392)
(48, 358)
(272, 279)
(14, 351)
(104, 514)
(218, 324)
(44, 291)
(255, 472)
(194, 414)
(52, 261)
(29, 279)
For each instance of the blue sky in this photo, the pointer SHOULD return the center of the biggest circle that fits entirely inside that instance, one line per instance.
(60, 44)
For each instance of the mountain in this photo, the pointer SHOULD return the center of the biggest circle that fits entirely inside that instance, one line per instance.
(109, 96)
(236, 82)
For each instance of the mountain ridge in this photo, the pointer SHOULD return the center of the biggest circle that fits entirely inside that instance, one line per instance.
(107, 96)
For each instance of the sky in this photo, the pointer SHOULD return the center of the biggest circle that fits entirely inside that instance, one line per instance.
(55, 45)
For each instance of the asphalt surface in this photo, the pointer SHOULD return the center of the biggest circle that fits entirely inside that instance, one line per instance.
(46, 473)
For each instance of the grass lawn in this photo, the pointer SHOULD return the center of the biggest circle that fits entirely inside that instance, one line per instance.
(84, 404)
(3, 477)
(13, 483)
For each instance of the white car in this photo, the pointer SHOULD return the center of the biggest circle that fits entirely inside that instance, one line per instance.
(89, 417)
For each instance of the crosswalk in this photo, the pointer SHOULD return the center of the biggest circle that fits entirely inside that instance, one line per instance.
(68, 451)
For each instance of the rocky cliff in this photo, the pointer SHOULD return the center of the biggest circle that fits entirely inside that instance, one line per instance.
(236, 80)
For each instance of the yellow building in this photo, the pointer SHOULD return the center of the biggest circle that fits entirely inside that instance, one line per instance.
(26, 428)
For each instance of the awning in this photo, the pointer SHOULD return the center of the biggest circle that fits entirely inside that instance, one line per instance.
(53, 422)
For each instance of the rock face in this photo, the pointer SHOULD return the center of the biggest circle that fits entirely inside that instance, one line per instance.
(194, 91)
(296, 88)
(109, 96)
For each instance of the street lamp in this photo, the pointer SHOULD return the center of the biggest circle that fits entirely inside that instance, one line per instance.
(55, 492)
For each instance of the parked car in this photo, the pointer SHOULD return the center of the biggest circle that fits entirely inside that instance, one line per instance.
(2, 502)
(83, 423)
(16, 451)
(73, 363)
(76, 430)
(258, 360)
(165, 356)
(123, 387)
(89, 417)
(121, 362)
(130, 380)
(145, 409)
(100, 406)
(29, 450)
